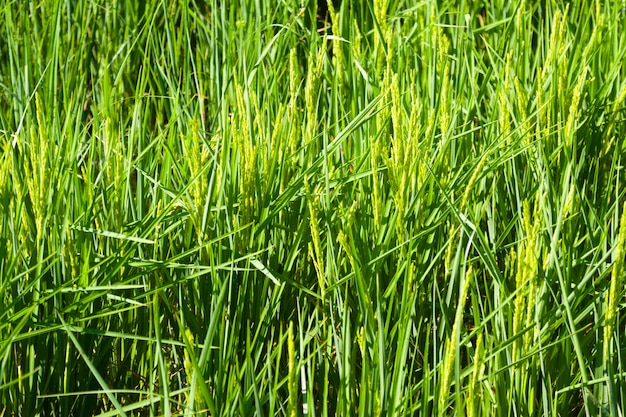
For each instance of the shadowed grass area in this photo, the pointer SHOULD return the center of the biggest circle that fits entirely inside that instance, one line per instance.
(246, 208)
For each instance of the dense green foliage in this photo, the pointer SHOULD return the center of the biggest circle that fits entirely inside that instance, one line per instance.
(242, 208)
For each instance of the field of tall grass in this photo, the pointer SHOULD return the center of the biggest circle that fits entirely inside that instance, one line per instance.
(246, 207)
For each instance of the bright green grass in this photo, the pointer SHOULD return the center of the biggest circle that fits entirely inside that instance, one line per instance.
(217, 209)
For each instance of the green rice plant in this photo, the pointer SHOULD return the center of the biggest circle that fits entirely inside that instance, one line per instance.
(234, 208)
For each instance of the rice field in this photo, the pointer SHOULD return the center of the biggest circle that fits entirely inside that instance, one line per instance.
(301, 208)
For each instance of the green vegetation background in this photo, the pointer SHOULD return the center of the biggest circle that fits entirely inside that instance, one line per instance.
(263, 208)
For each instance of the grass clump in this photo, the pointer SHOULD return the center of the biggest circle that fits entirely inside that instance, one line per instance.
(236, 208)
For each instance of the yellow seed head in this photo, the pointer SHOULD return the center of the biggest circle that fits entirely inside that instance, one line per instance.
(375, 196)
(476, 375)
(472, 180)
(357, 41)
(316, 253)
(573, 110)
(337, 43)
(451, 342)
(616, 287)
(445, 101)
